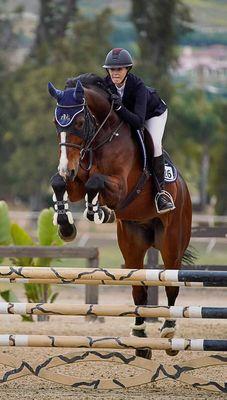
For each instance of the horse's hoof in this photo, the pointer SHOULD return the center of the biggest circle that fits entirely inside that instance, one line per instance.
(172, 353)
(168, 329)
(144, 353)
(167, 332)
(67, 234)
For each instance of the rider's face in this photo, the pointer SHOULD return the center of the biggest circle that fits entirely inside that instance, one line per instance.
(117, 75)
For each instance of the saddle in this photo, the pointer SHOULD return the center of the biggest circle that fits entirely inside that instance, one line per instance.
(145, 143)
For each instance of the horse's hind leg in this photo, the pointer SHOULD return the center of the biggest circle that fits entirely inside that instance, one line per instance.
(62, 217)
(134, 245)
(172, 254)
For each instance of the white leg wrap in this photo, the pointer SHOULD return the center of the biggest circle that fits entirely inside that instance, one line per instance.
(99, 219)
(95, 200)
(138, 327)
(70, 217)
(65, 196)
(93, 207)
(86, 200)
(59, 210)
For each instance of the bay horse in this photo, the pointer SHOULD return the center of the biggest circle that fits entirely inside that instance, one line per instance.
(100, 160)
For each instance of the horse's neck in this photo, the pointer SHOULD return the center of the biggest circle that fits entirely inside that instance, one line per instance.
(127, 148)
(99, 105)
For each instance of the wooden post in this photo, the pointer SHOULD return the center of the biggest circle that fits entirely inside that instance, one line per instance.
(92, 291)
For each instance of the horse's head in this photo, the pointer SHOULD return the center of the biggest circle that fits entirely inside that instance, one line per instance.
(74, 123)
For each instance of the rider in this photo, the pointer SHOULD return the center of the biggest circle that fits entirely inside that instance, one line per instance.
(140, 106)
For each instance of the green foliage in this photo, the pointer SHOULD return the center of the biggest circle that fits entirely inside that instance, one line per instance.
(159, 25)
(21, 238)
(9, 296)
(27, 131)
(195, 127)
(5, 237)
(218, 186)
(11, 233)
(47, 234)
(47, 231)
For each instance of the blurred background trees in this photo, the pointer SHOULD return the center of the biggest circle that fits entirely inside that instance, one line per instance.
(70, 37)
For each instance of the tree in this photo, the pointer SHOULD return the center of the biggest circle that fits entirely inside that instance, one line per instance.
(159, 25)
(8, 110)
(33, 155)
(218, 184)
(54, 22)
(196, 128)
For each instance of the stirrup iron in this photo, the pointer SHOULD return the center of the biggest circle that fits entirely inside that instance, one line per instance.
(169, 196)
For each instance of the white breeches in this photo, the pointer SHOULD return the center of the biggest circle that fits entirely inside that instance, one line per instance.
(156, 128)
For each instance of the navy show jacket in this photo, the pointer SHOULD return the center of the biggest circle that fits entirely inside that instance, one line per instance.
(139, 101)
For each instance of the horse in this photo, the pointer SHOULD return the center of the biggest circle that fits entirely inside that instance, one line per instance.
(100, 160)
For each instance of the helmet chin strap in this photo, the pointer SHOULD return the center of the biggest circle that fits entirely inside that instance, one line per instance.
(122, 82)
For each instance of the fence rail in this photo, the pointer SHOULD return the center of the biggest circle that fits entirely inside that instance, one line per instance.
(92, 255)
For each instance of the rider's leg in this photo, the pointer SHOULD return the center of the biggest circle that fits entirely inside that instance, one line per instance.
(156, 127)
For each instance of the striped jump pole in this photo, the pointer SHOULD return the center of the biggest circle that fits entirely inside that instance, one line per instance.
(92, 282)
(111, 342)
(113, 310)
(217, 278)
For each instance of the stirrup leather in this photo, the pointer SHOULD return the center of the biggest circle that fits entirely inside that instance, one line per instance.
(168, 195)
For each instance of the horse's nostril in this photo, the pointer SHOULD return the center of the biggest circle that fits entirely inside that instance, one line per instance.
(72, 175)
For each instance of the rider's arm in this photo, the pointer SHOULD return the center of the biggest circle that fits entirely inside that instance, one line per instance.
(136, 118)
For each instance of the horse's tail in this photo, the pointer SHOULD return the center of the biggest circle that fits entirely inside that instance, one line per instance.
(190, 255)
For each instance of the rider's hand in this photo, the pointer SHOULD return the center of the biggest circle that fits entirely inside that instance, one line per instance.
(117, 102)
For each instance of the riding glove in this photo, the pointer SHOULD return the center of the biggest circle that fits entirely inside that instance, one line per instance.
(117, 101)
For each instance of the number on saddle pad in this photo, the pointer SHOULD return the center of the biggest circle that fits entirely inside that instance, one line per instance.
(170, 173)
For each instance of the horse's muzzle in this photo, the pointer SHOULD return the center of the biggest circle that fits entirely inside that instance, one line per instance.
(67, 172)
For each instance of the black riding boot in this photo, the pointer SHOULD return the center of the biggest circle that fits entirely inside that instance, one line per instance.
(163, 199)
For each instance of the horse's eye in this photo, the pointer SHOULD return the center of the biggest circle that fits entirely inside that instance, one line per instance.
(79, 124)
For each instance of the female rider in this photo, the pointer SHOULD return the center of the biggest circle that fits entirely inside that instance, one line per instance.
(139, 106)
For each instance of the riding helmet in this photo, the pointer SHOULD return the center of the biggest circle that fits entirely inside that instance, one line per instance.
(118, 57)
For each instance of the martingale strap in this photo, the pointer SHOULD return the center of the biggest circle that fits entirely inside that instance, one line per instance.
(136, 190)
(142, 180)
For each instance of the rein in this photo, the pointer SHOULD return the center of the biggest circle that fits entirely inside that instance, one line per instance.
(90, 123)
(87, 147)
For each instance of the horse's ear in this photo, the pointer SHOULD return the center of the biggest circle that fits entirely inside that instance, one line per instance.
(79, 91)
(56, 93)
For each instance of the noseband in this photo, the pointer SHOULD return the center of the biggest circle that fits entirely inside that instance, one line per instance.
(90, 135)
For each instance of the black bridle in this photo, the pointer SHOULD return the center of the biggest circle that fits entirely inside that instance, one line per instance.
(89, 134)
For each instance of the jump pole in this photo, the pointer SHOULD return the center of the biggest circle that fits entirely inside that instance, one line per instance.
(111, 342)
(122, 275)
(113, 310)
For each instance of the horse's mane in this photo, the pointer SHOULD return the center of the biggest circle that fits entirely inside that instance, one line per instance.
(88, 80)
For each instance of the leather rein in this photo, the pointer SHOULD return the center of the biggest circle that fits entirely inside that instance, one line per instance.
(87, 148)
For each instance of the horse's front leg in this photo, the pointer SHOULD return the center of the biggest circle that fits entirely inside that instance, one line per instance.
(63, 216)
(103, 186)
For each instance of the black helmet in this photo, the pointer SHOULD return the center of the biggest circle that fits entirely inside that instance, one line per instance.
(118, 58)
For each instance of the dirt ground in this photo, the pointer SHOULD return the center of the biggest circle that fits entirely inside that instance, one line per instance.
(35, 388)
